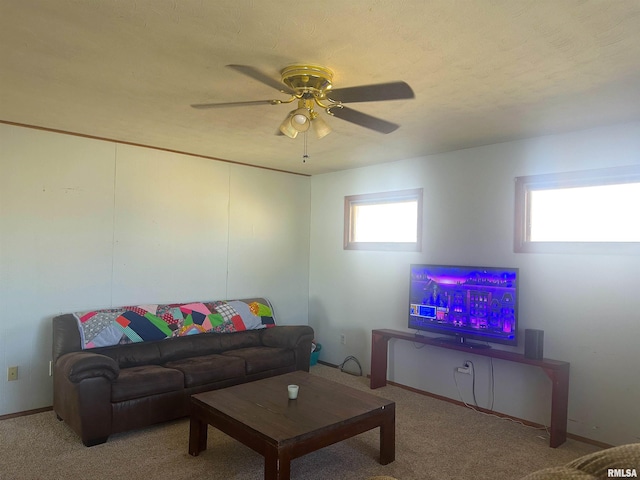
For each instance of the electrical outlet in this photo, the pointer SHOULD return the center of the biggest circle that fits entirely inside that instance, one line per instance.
(12, 373)
(343, 339)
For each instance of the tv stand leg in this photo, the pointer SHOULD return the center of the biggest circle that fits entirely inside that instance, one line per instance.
(559, 405)
(379, 352)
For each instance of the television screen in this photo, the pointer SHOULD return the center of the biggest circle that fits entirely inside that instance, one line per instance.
(479, 303)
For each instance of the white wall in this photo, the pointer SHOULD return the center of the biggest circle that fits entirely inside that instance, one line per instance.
(587, 305)
(89, 224)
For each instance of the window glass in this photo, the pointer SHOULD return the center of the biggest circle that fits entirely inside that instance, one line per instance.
(586, 211)
(606, 213)
(384, 221)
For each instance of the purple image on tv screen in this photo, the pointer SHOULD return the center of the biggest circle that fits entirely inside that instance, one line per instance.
(465, 303)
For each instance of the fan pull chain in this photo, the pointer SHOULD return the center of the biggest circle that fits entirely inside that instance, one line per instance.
(305, 155)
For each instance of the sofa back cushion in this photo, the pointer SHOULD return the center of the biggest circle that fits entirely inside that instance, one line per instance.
(164, 351)
(198, 345)
(132, 355)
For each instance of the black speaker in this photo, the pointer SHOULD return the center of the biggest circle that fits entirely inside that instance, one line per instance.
(533, 343)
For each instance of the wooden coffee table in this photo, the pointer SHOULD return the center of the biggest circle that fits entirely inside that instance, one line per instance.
(260, 415)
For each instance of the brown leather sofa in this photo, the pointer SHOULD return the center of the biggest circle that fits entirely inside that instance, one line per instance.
(113, 389)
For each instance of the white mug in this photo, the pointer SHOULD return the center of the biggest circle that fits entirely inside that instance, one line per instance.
(293, 391)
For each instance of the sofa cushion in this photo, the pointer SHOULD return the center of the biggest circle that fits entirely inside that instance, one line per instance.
(205, 344)
(145, 380)
(133, 354)
(260, 359)
(208, 369)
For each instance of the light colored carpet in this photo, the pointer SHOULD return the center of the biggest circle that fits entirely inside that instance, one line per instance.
(434, 440)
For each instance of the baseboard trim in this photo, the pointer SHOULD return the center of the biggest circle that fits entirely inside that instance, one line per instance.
(329, 364)
(498, 414)
(589, 441)
(26, 412)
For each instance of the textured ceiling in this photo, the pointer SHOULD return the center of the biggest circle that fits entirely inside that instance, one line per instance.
(482, 71)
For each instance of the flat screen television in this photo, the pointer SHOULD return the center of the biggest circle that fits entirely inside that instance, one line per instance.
(465, 303)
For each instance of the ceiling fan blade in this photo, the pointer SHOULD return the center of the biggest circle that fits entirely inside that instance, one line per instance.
(236, 104)
(262, 77)
(372, 93)
(364, 120)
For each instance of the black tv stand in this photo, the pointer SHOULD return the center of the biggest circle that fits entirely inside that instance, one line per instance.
(461, 342)
(556, 370)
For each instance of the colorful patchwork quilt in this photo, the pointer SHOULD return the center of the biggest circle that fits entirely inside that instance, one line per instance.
(101, 328)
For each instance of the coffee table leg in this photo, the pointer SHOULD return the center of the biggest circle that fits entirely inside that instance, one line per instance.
(388, 436)
(277, 465)
(197, 436)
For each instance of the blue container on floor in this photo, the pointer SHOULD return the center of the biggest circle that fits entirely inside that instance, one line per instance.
(315, 354)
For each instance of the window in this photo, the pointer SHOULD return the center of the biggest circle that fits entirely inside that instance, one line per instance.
(579, 212)
(384, 221)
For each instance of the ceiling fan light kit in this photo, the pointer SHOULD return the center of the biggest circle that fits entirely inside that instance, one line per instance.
(286, 127)
(302, 118)
(320, 127)
(312, 85)
(301, 121)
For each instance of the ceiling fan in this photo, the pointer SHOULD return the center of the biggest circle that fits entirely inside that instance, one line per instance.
(311, 86)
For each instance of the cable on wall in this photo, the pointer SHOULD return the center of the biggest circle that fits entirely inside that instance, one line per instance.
(476, 407)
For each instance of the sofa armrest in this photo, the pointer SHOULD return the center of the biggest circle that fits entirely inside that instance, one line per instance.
(66, 335)
(593, 465)
(296, 337)
(78, 366)
(287, 336)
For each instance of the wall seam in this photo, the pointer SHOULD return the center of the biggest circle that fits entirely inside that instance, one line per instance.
(113, 221)
(226, 282)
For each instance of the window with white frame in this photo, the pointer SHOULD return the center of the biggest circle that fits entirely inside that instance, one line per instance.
(384, 221)
(574, 212)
